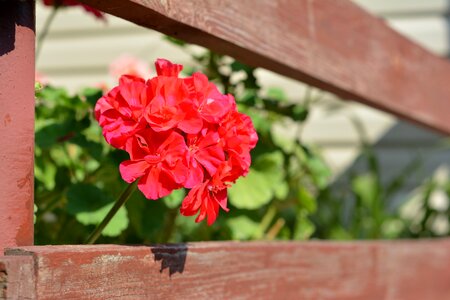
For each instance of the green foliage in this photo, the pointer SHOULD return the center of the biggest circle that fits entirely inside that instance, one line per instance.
(288, 193)
(117, 224)
(242, 228)
(264, 182)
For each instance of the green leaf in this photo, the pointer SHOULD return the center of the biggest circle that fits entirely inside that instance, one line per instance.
(276, 93)
(147, 217)
(264, 181)
(250, 192)
(248, 97)
(242, 227)
(117, 224)
(34, 213)
(318, 169)
(237, 66)
(339, 233)
(262, 125)
(62, 177)
(306, 200)
(272, 166)
(92, 148)
(59, 155)
(53, 133)
(299, 113)
(281, 190)
(86, 198)
(45, 171)
(91, 95)
(175, 198)
(37, 86)
(90, 205)
(304, 228)
(392, 228)
(287, 144)
(94, 133)
(365, 188)
(53, 94)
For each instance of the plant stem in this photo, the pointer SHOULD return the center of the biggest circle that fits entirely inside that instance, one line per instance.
(273, 232)
(45, 30)
(169, 226)
(119, 203)
(265, 222)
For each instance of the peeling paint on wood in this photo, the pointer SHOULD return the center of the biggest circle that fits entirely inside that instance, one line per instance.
(17, 278)
(331, 44)
(413, 270)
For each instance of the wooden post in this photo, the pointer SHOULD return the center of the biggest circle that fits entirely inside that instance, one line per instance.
(17, 38)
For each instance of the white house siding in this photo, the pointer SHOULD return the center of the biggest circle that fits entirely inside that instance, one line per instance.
(79, 48)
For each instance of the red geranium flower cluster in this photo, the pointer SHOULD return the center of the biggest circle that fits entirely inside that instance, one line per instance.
(179, 132)
(89, 9)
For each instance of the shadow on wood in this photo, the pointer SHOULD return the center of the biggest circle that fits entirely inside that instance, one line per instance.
(172, 257)
(13, 13)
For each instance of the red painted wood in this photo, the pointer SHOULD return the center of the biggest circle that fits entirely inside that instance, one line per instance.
(252, 270)
(17, 280)
(330, 44)
(16, 122)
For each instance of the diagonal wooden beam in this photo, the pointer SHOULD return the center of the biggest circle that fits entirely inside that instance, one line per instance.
(249, 270)
(331, 44)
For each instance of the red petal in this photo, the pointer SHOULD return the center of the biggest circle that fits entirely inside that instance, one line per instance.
(192, 201)
(166, 68)
(191, 124)
(179, 172)
(210, 158)
(132, 170)
(195, 174)
(221, 198)
(173, 147)
(212, 212)
(156, 184)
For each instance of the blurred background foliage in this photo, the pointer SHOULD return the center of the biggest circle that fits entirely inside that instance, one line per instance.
(289, 193)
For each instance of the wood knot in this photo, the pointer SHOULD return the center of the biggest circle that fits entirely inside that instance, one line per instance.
(7, 119)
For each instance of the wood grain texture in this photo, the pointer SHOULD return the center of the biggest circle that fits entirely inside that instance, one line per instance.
(330, 44)
(17, 278)
(252, 270)
(16, 122)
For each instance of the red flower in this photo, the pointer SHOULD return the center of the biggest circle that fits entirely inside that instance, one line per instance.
(204, 153)
(211, 105)
(166, 68)
(89, 9)
(208, 196)
(158, 159)
(238, 137)
(170, 106)
(178, 133)
(120, 112)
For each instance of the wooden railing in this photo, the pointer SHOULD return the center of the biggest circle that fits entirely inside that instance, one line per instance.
(330, 44)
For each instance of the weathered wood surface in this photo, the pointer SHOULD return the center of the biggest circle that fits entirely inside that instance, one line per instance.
(17, 279)
(253, 270)
(330, 44)
(16, 122)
